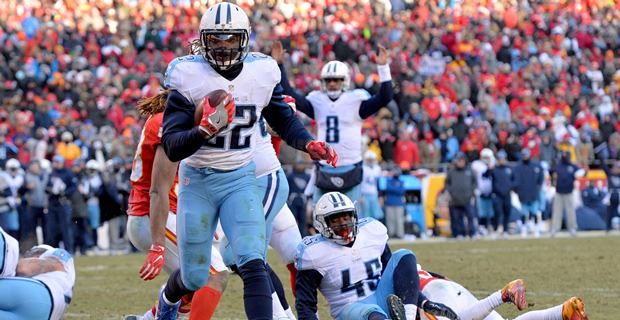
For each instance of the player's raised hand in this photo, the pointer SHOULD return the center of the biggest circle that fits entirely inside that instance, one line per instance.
(215, 118)
(383, 57)
(320, 150)
(154, 262)
(277, 52)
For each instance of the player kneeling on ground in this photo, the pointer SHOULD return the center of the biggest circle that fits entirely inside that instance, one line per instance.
(352, 265)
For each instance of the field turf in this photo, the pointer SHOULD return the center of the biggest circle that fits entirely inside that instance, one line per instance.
(108, 287)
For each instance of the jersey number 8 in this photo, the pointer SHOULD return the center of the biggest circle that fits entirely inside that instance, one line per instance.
(332, 134)
(238, 137)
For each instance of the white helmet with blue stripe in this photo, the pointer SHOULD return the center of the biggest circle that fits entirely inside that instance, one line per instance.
(222, 24)
(335, 70)
(328, 218)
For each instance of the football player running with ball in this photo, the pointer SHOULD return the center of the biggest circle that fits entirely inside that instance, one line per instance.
(340, 113)
(217, 175)
(350, 262)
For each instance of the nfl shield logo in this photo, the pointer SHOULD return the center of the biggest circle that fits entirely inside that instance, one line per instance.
(185, 181)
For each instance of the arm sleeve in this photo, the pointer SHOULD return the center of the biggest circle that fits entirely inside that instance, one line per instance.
(301, 102)
(378, 101)
(306, 285)
(385, 257)
(282, 119)
(181, 137)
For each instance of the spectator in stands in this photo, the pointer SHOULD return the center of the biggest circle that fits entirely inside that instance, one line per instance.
(461, 183)
(7, 150)
(394, 204)
(565, 173)
(81, 229)
(484, 189)
(613, 185)
(94, 184)
(60, 189)
(592, 197)
(67, 148)
(406, 151)
(529, 178)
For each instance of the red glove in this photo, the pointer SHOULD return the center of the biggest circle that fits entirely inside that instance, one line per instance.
(215, 118)
(320, 150)
(154, 262)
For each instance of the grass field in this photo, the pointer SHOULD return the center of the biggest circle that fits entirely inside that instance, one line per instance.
(554, 269)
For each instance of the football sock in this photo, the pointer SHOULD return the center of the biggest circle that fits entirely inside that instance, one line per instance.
(376, 316)
(290, 314)
(293, 274)
(278, 311)
(256, 296)
(554, 313)
(150, 315)
(186, 304)
(484, 307)
(175, 289)
(277, 286)
(204, 303)
(410, 311)
(406, 281)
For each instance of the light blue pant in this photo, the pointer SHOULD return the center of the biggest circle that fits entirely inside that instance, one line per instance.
(371, 207)
(94, 215)
(529, 208)
(485, 208)
(378, 301)
(205, 195)
(273, 189)
(28, 299)
(353, 193)
(9, 221)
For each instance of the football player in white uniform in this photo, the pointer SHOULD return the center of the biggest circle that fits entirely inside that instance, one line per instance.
(340, 113)
(217, 174)
(351, 264)
(42, 288)
(468, 307)
(9, 254)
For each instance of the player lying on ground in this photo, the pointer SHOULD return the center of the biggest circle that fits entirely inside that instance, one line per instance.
(352, 265)
(38, 286)
(468, 307)
(217, 174)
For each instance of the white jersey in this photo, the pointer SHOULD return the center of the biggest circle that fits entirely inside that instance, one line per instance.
(60, 283)
(349, 273)
(371, 175)
(339, 123)
(265, 157)
(194, 78)
(9, 255)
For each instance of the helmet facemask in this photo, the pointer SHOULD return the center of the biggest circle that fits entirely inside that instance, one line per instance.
(341, 227)
(225, 49)
(333, 93)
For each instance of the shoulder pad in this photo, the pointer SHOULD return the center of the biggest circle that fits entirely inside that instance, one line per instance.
(254, 56)
(305, 255)
(373, 227)
(265, 68)
(361, 94)
(181, 69)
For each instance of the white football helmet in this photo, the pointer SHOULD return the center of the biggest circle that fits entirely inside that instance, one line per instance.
(221, 22)
(335, 70)
(335, 203)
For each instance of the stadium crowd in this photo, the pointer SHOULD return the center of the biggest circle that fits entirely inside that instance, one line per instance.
(531, 77)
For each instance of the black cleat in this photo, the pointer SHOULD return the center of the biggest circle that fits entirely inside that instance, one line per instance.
(396, 308)
(439, 310)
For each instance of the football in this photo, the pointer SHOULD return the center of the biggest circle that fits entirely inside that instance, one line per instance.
(215, 98)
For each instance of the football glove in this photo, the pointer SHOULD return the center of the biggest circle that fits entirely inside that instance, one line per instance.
(320, 150)
(439, 310)
(215, 118)
(154, 262)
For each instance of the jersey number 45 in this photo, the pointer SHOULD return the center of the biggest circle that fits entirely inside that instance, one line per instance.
(373, 273)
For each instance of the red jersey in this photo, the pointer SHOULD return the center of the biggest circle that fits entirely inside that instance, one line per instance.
(425, 278)
(139, 199)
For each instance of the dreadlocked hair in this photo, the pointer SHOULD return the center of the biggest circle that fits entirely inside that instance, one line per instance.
(153, 105)
(195, 47)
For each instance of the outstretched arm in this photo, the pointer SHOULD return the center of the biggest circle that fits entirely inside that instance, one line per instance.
(162, 180)
(282, 119)
(30, 267)
(386, 91)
